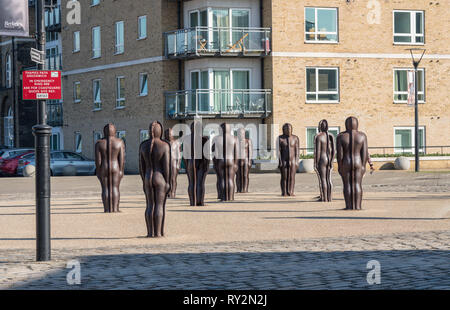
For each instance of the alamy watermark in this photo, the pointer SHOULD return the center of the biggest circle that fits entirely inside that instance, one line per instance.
(374, 14)
(73, 16)
(74, 275)
(374, 275)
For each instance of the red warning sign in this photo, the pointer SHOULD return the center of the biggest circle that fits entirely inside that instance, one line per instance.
(39, 85)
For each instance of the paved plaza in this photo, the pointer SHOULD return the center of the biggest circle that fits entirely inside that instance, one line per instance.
(259, 241)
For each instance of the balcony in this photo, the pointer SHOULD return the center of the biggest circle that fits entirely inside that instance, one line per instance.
(222, 103)
(53, 19)
(217, 41)
(53, 62)
(54, 113)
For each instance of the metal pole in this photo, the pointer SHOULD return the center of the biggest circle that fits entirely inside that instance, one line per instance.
(42, 133)
(416, 118)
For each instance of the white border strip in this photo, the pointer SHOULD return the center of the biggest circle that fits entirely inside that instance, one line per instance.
(114, 66)
(354, 55)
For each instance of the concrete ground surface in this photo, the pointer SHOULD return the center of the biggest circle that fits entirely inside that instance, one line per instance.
(259, 241)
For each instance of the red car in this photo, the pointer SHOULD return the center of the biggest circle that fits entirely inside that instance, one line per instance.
(8, 166)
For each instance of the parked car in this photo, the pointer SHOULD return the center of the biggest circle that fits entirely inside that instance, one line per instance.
(60, 163)
(9, 152)
(8, 165)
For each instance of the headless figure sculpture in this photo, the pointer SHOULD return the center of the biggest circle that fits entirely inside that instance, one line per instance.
(154, 168)
(323, 160)
(225, 149)
(288, 159)
(244, 162)
(110, 164)
(197, 165)
(352, 159)
(175, 162)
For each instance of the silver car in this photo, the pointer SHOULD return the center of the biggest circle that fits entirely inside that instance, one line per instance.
(62, 163)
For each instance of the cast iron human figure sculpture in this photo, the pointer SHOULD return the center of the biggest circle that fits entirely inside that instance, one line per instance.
(154, 168)
(109, 167)
(324, 152)
(244, 163)
(197, 165)
(288, 159)
(225, 150)
(175, 161)
(352, 157)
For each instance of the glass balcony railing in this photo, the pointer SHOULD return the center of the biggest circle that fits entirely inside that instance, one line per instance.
(53, 62)
(54, 113)
(226, 103)
(214, 41)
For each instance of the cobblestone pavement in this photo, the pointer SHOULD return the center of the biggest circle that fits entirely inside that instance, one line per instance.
(408, 261)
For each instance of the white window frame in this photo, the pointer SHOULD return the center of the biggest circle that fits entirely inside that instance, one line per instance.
(316, 33)
(94, 48)
(337, 128)
(95, 2)
(97, 103)
(317, 92)
(76, 41)
(413, 138)
(8, 71)
(142, 133)
(140, 36)
(406, 92)
(97, 135)
(412, 34)
(75, 98)
(120, 99)
(58, 141)
(119, 47)
(141, 94)
(80, 148)
(8, 128)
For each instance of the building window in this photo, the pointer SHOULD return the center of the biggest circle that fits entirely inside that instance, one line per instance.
(76, 41)
(76, 92)
(55, 142)
(321, 25)
(409, 27)
(119, 47)
(120, 92)
(8, 72)
(95, 2)
(97, 136)
(404, 139)
(78, 142)
(96, 42)
(401, 85)
(143, 84)
(143, 135)
(311, 133)
(96, 87)
(122, 135)
(142, 27)
(322, 85)
(8, 129)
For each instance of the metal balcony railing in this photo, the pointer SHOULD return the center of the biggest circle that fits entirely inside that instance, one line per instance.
(53, 62)
(52, 19)
(224, 103)
(55, 114)
(217, 41)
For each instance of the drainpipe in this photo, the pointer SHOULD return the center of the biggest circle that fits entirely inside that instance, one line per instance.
(15, 95)
(261, 19)
(180, 64)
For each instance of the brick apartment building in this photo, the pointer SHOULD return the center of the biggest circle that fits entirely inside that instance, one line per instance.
(255, 62)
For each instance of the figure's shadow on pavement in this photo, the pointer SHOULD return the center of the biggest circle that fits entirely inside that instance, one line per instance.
(400, 269)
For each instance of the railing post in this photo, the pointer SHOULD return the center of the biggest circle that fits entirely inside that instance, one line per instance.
(219, 41)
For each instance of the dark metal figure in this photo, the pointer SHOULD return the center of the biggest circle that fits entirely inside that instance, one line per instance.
(324, 152)
(175, 162)
(110, 164)
(244, 163)
(225, 150)
(197, 165)
(154, 168)
(352, 157)
(288, 159)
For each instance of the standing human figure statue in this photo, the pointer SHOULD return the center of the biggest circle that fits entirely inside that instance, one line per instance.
(109, 167)
(288, 159)
(175, 161)
(225, 150)
(324, 152)
(197, 165)
(352, 157)
(154, 168)
(244, 162)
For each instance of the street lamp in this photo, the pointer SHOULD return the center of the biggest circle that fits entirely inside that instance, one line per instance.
(416, 62)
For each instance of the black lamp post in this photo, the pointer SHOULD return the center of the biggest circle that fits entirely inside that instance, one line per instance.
(416, 103)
